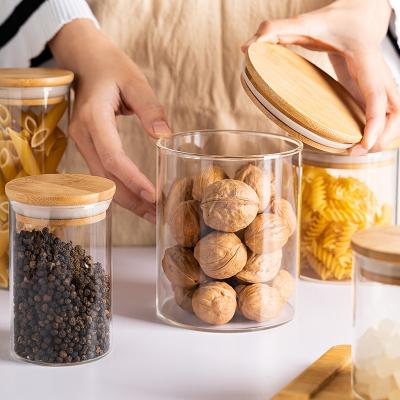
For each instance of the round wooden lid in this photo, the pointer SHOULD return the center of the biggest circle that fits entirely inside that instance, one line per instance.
(34, 77)
(380, 243)
(302, 97)
(60, 190)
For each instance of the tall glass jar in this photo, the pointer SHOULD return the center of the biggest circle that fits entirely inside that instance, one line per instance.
(227, 245)
(341, 195)
(34, 110)
(60, 234)
(376, 341)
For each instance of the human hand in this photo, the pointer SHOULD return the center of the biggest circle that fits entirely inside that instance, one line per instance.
(109, 84)
(351, 31)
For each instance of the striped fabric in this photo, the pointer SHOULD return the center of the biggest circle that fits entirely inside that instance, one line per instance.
(26, 26)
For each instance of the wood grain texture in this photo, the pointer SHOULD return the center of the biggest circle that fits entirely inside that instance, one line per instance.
(60, 189)
(380, 243)
(38, 222)
(285, 127)
(327, 378)
(305, 93)
(34, 77)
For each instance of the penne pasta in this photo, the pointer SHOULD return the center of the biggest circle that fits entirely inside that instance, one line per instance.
(7, 165)
(24, 151)
(53, 159)
(29, 122)
(4, 271)
(4, 211)
(5, 116)
(3, 240)
(51, 140)
(2, 186)
(21, 174)
(48, 123)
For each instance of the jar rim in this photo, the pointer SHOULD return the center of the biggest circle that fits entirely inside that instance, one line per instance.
(165, 145)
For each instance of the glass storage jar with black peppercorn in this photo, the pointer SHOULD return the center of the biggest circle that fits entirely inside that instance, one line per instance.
(60, 281)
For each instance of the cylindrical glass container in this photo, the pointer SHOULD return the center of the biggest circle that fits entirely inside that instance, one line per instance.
(60, 244)
(227, 245)
(376, 341)
(34, 110)
(341, 195)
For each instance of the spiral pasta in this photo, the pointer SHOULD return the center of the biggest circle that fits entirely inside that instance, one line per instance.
(333, 209)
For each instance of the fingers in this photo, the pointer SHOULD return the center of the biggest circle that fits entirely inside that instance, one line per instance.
(139, 96)
(124, 196)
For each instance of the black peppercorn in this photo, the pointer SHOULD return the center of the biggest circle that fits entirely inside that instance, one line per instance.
(62, 300)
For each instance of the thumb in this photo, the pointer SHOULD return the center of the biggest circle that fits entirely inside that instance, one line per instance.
(304, 30)
(140, 98)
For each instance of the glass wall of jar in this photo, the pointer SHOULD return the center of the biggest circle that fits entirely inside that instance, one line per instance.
(34, 110)
(376, 340)
(60, 281)
(341, 195)
(227, 246)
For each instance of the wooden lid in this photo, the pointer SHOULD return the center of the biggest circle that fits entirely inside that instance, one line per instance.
(34, 77)
(303, 97)
(60, 190)
(380, 243)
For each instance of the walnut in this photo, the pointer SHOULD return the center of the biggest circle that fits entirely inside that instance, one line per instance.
(181, 190)
(284, 209)
(181, 268)
(214, 303)
(259, 181)
(261, 267)
(239, 288)
(221, 255)
(184, 223)
(183, 297)
(260, 302)
(206, 178)
(284, 282)
(267, 233)
(229, 205)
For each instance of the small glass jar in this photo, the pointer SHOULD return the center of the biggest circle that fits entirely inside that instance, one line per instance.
(60, 259)
(376, 340)
(34, 110)
(341, 195)
(227, 246)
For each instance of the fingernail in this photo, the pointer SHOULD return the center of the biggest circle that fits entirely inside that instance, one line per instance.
(358, 150)
(160, 128)
(147, 196)
(150, 217)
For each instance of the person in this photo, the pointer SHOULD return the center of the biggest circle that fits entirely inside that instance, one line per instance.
(194, 65)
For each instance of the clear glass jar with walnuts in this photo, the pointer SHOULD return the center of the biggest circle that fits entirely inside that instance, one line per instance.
(227, 227)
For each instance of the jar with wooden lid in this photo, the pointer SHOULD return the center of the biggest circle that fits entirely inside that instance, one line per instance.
(227, 225)
(60, 260)
(376, 339)
(342, 195)
(34, 110)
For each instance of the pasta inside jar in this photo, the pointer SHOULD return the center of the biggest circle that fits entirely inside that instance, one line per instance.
(342, 195)
(34, 107)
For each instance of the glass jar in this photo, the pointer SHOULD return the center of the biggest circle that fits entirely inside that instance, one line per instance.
(376, 341)
(60, 259)
(341, 195)
(34, 110)
(227, 245)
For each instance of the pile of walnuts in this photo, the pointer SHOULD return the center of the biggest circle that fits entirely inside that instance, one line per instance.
(229, 234)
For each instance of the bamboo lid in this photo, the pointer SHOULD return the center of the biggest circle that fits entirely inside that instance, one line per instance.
(302, 99)
(60, 190)
(379, 243)
(34, 77)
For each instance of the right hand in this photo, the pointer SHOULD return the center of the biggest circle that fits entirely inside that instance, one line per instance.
(109, 84)
(352, 32)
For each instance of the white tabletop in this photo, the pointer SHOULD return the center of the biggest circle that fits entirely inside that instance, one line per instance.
(151, 360)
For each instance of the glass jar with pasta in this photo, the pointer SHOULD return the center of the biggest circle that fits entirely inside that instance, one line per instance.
(342, 195)
(34, 110)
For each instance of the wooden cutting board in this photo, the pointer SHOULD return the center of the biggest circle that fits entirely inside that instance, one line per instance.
(328, 378)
